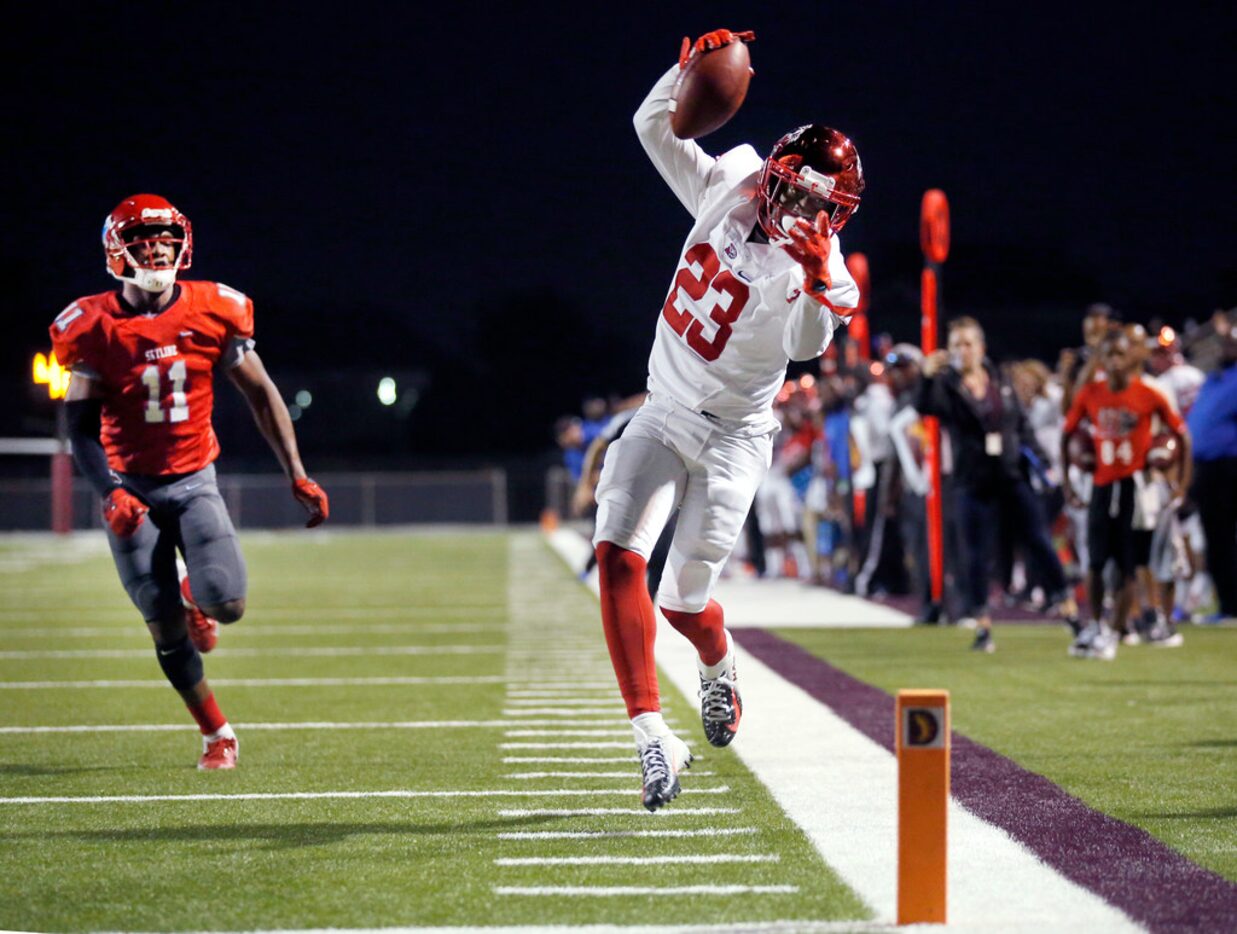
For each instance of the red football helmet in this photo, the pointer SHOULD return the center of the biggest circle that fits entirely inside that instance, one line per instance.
(146, 219)
(810, 169)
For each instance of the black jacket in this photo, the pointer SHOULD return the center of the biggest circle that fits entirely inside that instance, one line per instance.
(944, 397)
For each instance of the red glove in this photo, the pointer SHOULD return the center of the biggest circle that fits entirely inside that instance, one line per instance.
(314, 499)
(710, 41)
(123, 512)
(809, 247)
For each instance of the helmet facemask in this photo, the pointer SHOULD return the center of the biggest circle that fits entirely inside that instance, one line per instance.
(147, 242)
(811, 169)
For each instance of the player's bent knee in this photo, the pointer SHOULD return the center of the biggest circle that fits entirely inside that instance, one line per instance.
(181, 663)
(227, 612)
(618, 565)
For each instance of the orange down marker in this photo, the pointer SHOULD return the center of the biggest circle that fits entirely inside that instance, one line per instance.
(922, 724)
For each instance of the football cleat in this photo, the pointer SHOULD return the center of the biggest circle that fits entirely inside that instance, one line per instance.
(983, 641)
(1082, 642)
(661, 760)
(720, 706)
(1163, 635)
(1103, 646)
(220, 754)
(203, 631)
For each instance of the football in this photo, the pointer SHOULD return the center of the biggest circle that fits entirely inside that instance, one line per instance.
(1164, 450)
(710, 90)
(1082, 450)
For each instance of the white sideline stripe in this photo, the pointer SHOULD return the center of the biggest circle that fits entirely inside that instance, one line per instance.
(841, 789)
(532, 775)
(533, 698)
(630, 744)
(259, 629)
(332, 651)
(606, 834)
(15, 611)
(315, 795)
(602, 812)
(518, 733)
(687, 859)
(258, 682)
(623, 890)
(576, 760)
(298, 725)
(610, 711)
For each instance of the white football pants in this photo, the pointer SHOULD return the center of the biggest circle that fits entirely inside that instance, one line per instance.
(670, 456)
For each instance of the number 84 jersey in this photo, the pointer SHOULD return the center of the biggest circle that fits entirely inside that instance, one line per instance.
(156, 371)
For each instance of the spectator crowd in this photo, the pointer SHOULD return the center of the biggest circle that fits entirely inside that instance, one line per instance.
(1122, 529)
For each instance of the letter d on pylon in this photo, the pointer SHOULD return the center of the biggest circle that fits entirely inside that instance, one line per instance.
(923, 805)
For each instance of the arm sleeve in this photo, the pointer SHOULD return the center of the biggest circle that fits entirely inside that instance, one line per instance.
(683, 164)
(85, 423)
(932, 398)
(811, 323)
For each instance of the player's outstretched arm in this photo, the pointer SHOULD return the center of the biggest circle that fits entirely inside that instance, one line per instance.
(271, 415)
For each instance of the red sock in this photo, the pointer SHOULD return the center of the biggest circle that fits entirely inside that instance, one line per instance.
(630, 625)
(704, 630)
(207, 713)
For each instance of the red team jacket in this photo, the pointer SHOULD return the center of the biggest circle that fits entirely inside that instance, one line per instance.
(156, 371)
(1122, 425)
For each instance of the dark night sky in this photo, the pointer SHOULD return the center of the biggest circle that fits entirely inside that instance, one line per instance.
(463, 192)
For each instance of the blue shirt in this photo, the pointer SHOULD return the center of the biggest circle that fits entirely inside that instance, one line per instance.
(1213, 420)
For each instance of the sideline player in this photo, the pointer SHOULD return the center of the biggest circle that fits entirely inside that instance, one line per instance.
(760, 280)
(1120, 409)
(139, 409)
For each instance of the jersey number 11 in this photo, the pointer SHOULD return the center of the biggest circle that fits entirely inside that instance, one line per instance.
(152, 379)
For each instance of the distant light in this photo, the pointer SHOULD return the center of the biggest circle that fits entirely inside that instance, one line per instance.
(294, 412)
(1167, 336)
(807, 381)
(47, 371)
(304, 398)
(386, 391)
(878, 369)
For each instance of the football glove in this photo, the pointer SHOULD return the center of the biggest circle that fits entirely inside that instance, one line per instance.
(710, 41)
(809, 246)
(123, 512)
(314, 499)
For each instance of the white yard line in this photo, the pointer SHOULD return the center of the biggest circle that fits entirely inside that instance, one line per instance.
(746, 927)
(316, 795)
(281, 651)
(296, 725)
(687, 859)
(567, 760)
(528, 776)
(612, 712)
(602, 745)
(604, 812)
(841, 789)
(626, 731)
(606, 834)
(259, 682)
(623, 891)
(258, 629)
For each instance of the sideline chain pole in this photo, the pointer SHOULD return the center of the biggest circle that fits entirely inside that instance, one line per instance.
(934, 241)
(860, 332)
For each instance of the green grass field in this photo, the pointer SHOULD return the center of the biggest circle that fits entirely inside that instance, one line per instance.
(371, 861)
(512, 644)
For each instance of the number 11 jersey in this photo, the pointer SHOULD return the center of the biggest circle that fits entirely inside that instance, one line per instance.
(156, 371)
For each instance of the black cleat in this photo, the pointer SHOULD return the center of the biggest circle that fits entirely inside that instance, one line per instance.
(720, 708)
(660, 762)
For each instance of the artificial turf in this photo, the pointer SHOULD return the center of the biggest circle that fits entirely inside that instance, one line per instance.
(362, 862)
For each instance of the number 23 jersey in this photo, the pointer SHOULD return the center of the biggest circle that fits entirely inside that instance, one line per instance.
(735, 313)
(156, 371)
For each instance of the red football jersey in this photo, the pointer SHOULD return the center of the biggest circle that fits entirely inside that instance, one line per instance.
(156, 371)
(1122, 425)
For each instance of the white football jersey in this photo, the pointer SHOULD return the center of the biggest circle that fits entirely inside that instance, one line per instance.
(736, 312)
(1181, 383)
